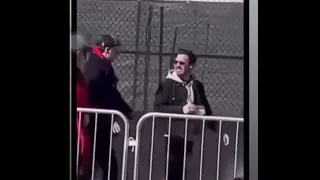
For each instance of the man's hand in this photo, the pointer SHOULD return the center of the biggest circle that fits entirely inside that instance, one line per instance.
(189, 109)
(116, 128)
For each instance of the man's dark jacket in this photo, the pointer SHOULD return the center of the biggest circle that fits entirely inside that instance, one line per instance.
(171, 96)
(102, 84)
(103, 93)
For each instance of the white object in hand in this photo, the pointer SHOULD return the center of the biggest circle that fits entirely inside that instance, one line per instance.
(201, 110)
(189, 109)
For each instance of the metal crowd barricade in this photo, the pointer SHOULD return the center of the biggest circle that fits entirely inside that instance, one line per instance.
(154, 115)
(125, 141)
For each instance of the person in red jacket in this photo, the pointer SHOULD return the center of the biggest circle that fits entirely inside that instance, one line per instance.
(84, 146)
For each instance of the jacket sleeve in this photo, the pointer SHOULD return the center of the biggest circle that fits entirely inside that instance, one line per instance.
(92, 73)
(161, 100)
(213, 125)
(122, 105)
(100, 94)
(204, 100)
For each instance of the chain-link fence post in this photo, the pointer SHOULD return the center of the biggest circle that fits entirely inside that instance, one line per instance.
(147, 59)
(135, 71)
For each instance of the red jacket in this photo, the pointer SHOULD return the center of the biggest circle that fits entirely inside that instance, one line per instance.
(82, 92)
(84, 148)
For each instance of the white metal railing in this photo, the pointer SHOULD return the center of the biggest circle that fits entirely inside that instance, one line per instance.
(136, 143)
(125, 141)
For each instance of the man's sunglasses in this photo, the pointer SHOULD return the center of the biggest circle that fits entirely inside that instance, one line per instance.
(179, 62)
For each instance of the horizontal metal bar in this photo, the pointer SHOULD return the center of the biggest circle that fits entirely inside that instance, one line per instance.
(102, 111)
(194, 117)
(172, 54)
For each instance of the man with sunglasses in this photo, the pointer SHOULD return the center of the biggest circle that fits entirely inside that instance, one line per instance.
(182, 93)
(103, 93)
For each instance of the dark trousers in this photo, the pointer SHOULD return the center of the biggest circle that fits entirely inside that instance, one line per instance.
(103, 147)
(176, 154)
(102, 157)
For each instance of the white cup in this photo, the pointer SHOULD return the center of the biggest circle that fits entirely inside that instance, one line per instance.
(202, 110)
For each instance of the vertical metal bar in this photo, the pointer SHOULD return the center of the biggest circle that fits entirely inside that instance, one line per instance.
(137, 151)
(201, 149)
(135, 71)
(78, 140)
(195, 23)
(147, 59)
(136, 157)
(94, 145)
(185, 150)
(236, 152)
(151, 150)
(161, 43)
(218, 154)
(110, 146)
(206, 51)
(207, 39)
(168, 149)
(173, 46)
(125, 151)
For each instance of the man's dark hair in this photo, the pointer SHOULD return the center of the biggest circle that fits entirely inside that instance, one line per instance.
(190, 54)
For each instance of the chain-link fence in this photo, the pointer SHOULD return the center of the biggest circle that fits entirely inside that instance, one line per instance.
(151, 31)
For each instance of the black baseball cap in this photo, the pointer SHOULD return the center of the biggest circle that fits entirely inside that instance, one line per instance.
(107, 41)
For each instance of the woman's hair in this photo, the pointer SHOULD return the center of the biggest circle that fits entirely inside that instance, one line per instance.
(82, 55)
(84, 50)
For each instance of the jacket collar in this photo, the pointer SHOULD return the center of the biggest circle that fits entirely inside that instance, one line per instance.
(98, 51)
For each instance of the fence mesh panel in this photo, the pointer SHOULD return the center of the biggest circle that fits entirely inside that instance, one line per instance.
(213, 30)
